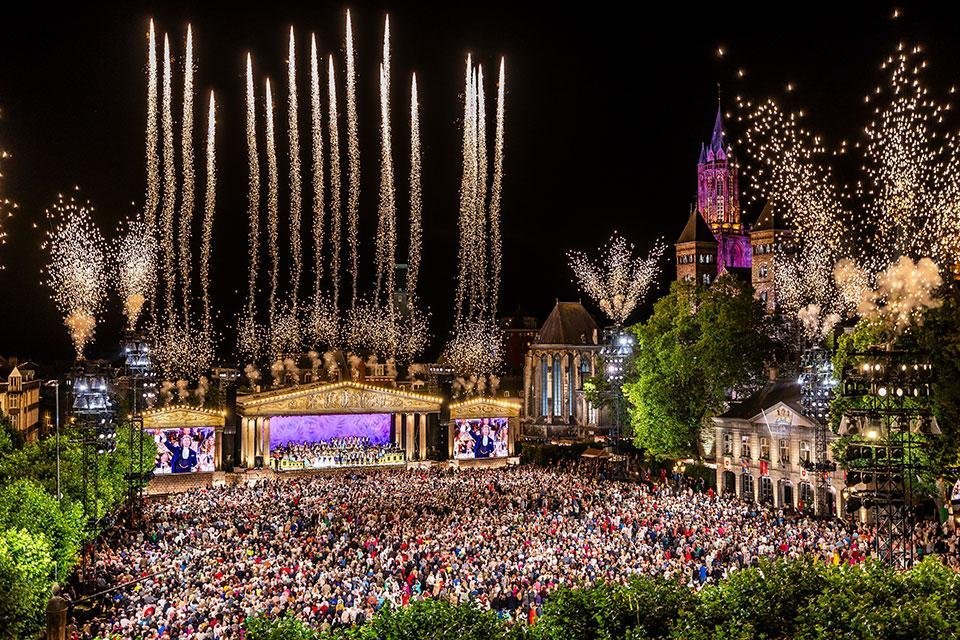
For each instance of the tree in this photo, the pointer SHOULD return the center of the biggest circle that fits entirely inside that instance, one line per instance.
(25, 505)
(25, 569)
(699, 343)
(940, 337)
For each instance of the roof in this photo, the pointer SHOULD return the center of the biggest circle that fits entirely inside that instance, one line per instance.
(696, 230)
(770, 218)
(568, 323)
(783, 390)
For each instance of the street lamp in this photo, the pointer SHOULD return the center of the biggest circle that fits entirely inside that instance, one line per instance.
(56, 384)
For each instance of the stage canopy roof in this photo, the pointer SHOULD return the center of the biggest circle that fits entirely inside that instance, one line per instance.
(182, 416)
(482, 407)
(335, 398)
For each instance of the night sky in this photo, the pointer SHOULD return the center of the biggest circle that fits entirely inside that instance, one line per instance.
(605, 115)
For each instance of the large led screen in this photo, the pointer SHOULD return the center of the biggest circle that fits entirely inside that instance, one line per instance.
(317, 442)
(183, 450)
(481, 438)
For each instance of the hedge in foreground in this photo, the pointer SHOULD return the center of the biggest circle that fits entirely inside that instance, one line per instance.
(781, 600)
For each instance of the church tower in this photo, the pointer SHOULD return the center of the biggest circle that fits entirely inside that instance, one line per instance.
(714, 239)
(718, 199)
(771, 238)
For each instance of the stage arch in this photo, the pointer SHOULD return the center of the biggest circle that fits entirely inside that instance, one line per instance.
(409, 411)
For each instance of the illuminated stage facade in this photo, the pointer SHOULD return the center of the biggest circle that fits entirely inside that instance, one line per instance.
(338, 424)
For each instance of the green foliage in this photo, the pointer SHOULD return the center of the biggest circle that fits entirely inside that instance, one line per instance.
(26, 565)
(699, 342)
(878, 602)
(28, 507)
(429, 620)
(6, 435)
(644, 608)
(776, 600)
(283, 628)
(758, 599)
(940, 337)
(25, 505)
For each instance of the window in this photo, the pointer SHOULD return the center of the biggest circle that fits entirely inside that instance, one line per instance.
(804, 451)
(766, 490)
(706, 278)
(557, 387)
(806, 496)
(763, 297)
(763, 271)
(785, 452)
(544, 387)
(746, 487)
(764, 448)
(728, 444)
(745, 447)
(14, 401)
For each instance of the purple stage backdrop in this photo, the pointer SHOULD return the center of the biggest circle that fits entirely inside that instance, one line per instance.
(299, 429)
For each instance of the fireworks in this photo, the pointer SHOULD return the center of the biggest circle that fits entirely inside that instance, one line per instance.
(335, 216)
(169, 186)
(135, 269)
(77, 270)
(387, 214)
(209, 207)
(619, 280)
(153, 161)
(6, 206)
(905, 289)
(353, 163)
(187, 190)
(416, 199)
(476, 340)
(293, 136)
(496, 243)
(316, 127)
(903, 205)
(253, 189)
(273, 213)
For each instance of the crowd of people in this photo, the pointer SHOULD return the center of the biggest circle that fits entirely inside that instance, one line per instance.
(333, 549)
(351, 451)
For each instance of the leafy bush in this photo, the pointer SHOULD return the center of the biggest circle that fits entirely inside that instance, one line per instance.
(26, 566)
(776, 600)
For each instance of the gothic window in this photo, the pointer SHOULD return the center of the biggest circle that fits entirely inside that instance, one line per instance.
(804, 451)
(785, 451)
(571, 375)
(745, 447)
(557, 387)
(544, 387)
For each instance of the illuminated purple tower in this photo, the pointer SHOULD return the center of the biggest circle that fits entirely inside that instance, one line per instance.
(718, 200)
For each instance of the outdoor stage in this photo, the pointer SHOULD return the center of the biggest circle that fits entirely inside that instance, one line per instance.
(336, 425)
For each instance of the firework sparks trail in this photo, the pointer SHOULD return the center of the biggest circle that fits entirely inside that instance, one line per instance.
(169, 188)
(293, 134)
(353, 164)
(273, 221)
(335, 200)
(209, 207)
(316, 127)
(187, 190)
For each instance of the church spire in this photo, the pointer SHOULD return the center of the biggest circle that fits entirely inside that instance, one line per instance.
(718, 135)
